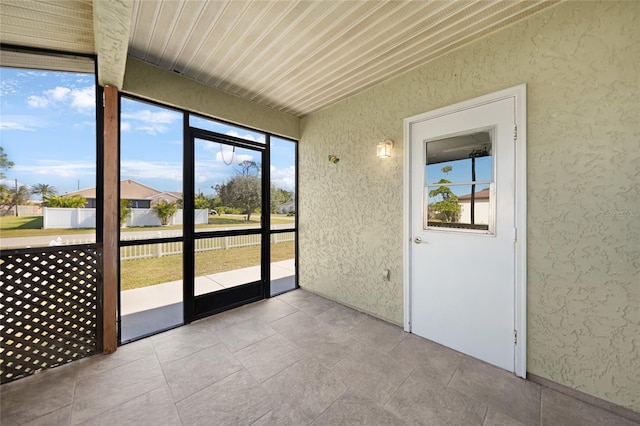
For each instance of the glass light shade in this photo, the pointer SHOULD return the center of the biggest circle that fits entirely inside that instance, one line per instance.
(384, 149)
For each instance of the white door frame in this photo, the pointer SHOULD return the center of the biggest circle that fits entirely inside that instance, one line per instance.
(520, 302)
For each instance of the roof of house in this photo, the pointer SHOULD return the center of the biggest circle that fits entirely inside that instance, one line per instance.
(480, 195)
(132, 190)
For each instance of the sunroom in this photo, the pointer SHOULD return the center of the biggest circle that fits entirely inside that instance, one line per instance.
(327, 212)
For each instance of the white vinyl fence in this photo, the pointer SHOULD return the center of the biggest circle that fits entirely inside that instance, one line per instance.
(145, 251)
(69, 218)
(24, 210)
(206, 244)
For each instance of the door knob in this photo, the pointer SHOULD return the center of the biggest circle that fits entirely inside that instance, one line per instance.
(418, 240)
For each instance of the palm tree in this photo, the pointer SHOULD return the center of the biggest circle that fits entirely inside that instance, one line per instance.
(44, 190)
(164, 210)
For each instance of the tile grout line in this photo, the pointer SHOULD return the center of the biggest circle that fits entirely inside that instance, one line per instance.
(290, 313)
(455, 370)
(137, 396)
(166, 383)
(73, 399)
(486, 413)
(330, 405)
(211, 384)
(192, 353)
(540, 410)
(398, 388)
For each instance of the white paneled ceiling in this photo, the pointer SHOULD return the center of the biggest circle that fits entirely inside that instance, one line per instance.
(65, 25)
(297, 56)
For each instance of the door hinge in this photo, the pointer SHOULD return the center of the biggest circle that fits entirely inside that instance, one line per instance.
(515, 235)
(515, 132)
(515, 337)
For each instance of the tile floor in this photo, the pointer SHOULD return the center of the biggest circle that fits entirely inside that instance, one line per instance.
(296, 359)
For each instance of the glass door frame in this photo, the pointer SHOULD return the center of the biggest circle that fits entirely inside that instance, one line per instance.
(201, 306)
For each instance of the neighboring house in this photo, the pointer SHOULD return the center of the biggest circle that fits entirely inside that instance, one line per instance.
(481, 209)
(141, 196)
(287, 207)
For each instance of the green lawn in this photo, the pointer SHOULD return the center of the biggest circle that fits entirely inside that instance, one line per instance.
(31, 226)
(146, 272)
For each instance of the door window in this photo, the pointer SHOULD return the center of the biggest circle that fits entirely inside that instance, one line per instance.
(458, 191)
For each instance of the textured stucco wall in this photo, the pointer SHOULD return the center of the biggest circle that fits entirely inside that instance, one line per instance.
(581, 62)
(149, 82)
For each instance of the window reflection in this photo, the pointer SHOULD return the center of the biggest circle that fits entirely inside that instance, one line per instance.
(459, 180)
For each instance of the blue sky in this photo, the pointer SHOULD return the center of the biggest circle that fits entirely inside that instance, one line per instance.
(47, 128)
(460, 173)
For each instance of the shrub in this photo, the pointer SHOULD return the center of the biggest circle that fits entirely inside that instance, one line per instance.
(164, 210)
(125, 210)
(60, 201)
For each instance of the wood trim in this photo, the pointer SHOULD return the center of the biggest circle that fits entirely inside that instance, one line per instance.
(111, 225)
(584, 397)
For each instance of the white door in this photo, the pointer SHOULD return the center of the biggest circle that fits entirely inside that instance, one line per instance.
(462, 225)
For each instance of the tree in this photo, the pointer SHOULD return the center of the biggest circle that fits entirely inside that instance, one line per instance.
(61, 201)
(279, 196)
(43, 190)
(125, 210)
(5, 164)
(164, 210)
(244, 190)
(201, 202)
(446, 208)
(11, 197)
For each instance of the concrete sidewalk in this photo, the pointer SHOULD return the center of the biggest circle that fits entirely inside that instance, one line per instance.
(159, 295)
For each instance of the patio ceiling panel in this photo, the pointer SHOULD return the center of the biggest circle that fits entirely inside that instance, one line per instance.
(295, 56)
(50, 24)
(435, 39)
(300, 56)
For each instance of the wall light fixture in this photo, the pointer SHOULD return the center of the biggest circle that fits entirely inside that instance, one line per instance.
(384, 148)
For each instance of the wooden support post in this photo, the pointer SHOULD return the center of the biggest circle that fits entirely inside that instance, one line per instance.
(110, 221)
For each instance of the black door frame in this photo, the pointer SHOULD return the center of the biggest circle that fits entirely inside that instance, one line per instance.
(197, 307)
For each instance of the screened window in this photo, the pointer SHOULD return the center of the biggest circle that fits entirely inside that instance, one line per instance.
(47, 158)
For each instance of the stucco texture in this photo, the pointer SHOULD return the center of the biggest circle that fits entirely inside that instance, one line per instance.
(581, 64)
(150, 82)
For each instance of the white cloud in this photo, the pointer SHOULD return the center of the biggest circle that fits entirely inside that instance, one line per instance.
(284, 178)
(19, 122)
(8, 87)
(149, 122)
(147, 116)
(224, 154)
(247, 136)
(59, 168)
(82, 100)
(125, 126)
(153, 130)
(229, 157)
(58, 94)
(140, 170)
(37, 101)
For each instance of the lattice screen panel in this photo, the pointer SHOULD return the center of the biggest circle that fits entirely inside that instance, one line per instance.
(48, 308)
